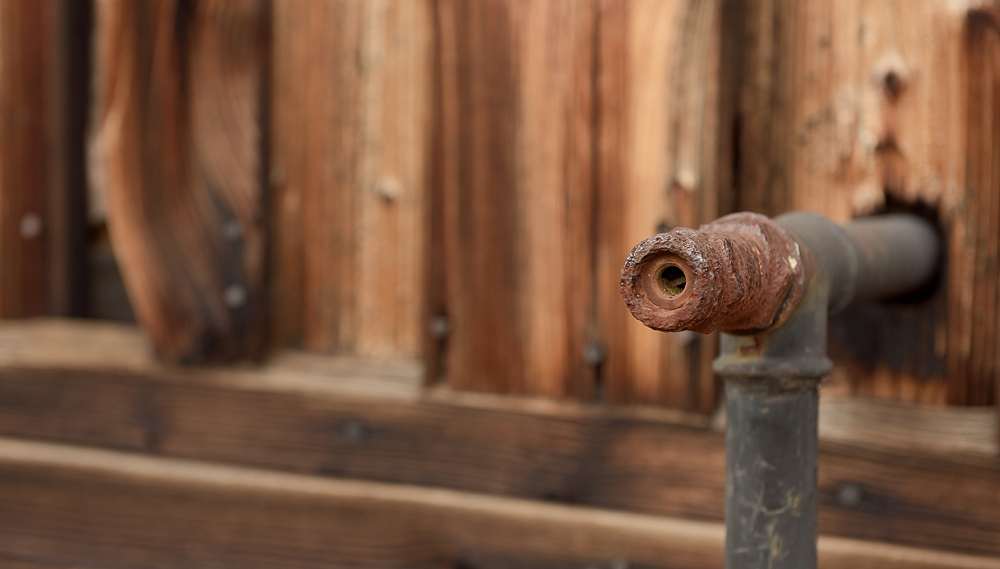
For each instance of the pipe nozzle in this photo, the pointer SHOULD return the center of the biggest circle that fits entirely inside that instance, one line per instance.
(742, 272)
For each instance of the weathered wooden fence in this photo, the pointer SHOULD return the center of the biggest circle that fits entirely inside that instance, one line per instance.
(460, 180)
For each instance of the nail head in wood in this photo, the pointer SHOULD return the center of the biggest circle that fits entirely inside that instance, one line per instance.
(31, 226)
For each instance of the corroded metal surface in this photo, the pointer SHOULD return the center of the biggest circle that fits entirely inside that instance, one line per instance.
(740, 273)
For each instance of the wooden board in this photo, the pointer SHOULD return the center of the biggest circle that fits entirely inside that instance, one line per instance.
(72, 505)
(976, 333)
(514, 195)
(27, 31)
(41, 151)
(659, 166)
(351, 96)
(888, 472)
(177, 143)
(856, 107)
(19, 562)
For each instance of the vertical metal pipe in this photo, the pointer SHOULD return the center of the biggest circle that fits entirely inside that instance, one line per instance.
(772, 393)
(771, 459)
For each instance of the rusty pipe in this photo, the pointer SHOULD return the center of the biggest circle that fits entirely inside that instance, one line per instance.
(745, 272)
(770, 285)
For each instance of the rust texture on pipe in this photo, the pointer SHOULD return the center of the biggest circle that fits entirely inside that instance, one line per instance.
(740, 273)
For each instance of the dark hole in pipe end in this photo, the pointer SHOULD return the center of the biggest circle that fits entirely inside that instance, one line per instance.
(672, 280)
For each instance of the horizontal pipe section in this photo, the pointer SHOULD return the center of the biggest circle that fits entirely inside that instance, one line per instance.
(745, 273)
(897, 254)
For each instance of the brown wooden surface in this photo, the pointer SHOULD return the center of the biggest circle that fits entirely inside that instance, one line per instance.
(658, 167)
(977, 228)
(564, 134)
(13, 561)
(464, 179)
(82, 384)
(855, 107)
(30, 170)
(350, 141)
(93, 507)
(177, 146)
(513, 176)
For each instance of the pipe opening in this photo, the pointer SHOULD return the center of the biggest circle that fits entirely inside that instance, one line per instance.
(671, 280)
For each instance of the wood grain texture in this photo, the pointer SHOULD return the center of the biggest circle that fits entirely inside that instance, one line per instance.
(93, 507)
(975, 338)
(177, 141)
(513, 172)
(659, 128)
(31, 562)
(351, 126)
(566, 133)
(861, 107)
(29, 170)
(86, 385)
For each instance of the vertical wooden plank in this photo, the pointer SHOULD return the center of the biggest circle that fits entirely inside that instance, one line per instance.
(612, 150)
(659, 132)
(28, 36)
(44, 91)
(293, 98)
(441, 175)
(767, 77)
(352, 103)
(178, 142)
(391, 317)
(515, 111)
(554, 188)
(478, 210)
(329, 191)
(977, 233)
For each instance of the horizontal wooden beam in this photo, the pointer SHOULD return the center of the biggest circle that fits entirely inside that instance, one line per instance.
(97, 506)
(95, 385)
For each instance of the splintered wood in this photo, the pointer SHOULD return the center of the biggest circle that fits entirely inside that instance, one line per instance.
(177, 143)
(860, 107)
(350, 95)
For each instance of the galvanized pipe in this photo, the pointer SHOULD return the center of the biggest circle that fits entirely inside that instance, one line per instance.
(770, 285)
